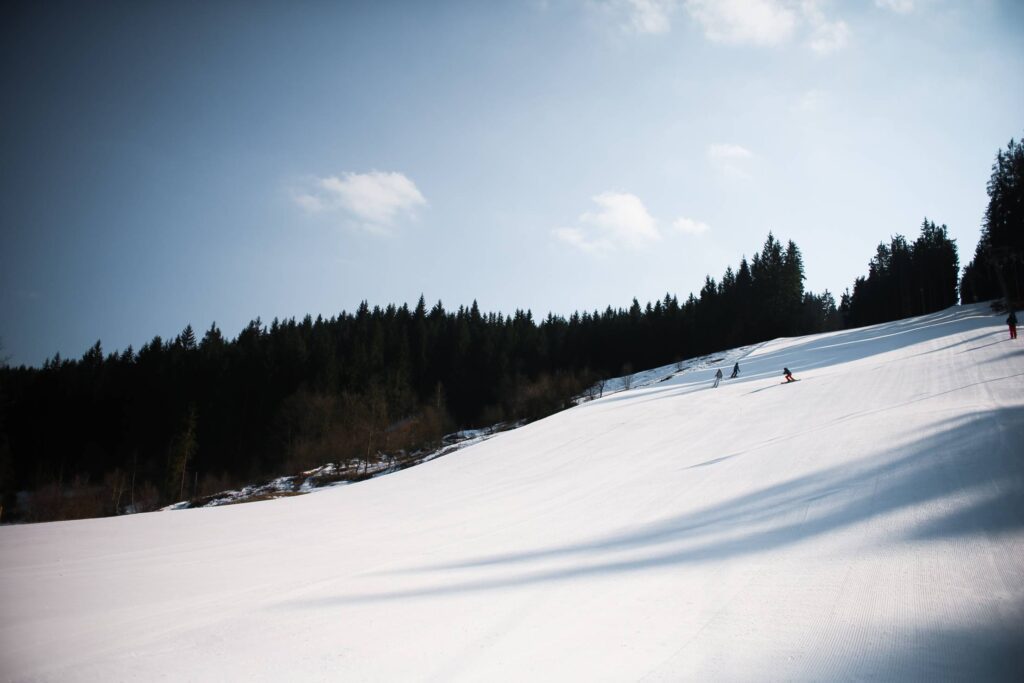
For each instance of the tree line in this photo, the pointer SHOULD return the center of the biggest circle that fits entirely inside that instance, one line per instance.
(905, 279)
(185, 417)
(997, 269)
(181, 418)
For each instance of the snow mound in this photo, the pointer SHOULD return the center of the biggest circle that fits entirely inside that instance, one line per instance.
(864, 523)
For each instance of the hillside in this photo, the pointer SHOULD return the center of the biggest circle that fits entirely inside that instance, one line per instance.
(865, 522)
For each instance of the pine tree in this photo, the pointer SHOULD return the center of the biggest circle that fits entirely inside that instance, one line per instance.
(791, 289)
(93, 358)
(213, 339)
(936, 267)
(979, 281)
(1004, 220)
(187, 339)
(901, 300)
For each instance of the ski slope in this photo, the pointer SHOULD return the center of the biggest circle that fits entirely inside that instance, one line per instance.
(866, 522)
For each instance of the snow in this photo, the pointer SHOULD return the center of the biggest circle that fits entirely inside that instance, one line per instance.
(334, 474)
(864, 523)
(646, 378)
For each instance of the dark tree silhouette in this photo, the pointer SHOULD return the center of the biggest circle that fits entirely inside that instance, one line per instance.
(998, 265)
(146, 428)
(905, 280)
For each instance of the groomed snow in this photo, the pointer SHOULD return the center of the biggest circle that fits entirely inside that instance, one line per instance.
(864, 523)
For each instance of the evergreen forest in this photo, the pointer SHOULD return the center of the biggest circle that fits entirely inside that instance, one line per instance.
(182, 418)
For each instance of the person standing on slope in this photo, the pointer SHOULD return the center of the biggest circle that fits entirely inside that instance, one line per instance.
(1012, 322)
(718, 378)
(735, 371)
(788, 375)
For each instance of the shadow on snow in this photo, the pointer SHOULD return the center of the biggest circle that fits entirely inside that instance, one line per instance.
(971, 464)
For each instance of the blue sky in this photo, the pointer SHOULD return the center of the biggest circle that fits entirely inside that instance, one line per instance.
(166, 164)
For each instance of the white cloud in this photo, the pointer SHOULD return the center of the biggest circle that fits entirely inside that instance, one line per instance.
(624, 217)
(621, 221)
(728, 152)
(744, 22)
(826, 36)
(811, 102)
(649, 16)
(689, 226)
(372, 200)
(769, 23)
(899, 6)
(732, 160)
(829, 36)
(308, 202)
(576, 237)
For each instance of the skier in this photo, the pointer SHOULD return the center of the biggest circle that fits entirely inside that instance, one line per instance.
(788, 375)
(718, 378)
(1012, 322)
(735, 371)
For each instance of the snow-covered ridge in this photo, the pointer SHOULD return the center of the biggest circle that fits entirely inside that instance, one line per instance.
(865, 523)
(338, 474)
(664, 373)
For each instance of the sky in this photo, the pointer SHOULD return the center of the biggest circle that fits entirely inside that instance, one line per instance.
(165, 164)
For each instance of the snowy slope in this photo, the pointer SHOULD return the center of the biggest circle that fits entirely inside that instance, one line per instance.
(864, 523)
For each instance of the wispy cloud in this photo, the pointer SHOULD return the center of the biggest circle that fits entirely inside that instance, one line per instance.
(829, 36)
(899, 6)
(623, 216)
(649, 16)
(730, 159)
(826, 36)
(372, 200)
(576, 237)
(719, 152)
(621, 221)
(759, 23)
(811, 102)
(744, 22)
(769, 23)
(688, 226)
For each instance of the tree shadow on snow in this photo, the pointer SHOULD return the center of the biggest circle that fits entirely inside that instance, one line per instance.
(971, 652)
(970, 467)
